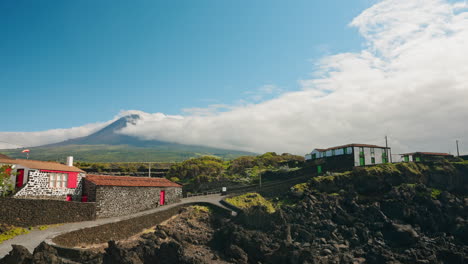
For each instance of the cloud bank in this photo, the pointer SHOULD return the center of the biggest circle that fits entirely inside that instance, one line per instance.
(410, 82)
(11, 140)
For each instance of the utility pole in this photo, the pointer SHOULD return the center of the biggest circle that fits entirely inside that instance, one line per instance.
(458, 152)
(386, 150)
(149, 170)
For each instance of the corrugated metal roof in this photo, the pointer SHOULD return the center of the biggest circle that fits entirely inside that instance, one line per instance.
(41, 165)
(103, 180)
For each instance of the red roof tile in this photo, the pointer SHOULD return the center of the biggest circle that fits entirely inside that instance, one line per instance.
(41, 165)
(103, 180)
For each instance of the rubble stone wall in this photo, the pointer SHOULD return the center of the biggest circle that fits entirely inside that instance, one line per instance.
(33, 212)
(119, 201)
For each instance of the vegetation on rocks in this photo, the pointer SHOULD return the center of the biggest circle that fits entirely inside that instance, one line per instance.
(8, 232)
(249, 200)
(380, 178)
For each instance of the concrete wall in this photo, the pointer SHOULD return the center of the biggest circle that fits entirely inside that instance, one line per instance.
(33, 212)
(119, 201)
(38, 187)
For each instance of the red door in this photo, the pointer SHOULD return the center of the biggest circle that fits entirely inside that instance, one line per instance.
(20, 178)
(162, 197)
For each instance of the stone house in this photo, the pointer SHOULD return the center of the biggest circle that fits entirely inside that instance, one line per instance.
(346, 157)
(44, 179)
(124, 195)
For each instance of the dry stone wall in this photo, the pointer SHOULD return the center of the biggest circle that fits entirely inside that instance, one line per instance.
(38, 187)
(119, 201)
(33, 212)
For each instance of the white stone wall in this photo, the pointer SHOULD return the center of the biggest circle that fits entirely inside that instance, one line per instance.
(38, 187)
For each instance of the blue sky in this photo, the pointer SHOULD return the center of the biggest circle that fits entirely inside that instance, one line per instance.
(69, 63)
(289, 76)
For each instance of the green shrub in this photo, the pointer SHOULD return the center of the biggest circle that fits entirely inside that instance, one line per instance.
(435, 193)
(249, 200)
(13, 232)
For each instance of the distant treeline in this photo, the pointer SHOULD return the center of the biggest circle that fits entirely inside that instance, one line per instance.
(243, 169)
(128, 168)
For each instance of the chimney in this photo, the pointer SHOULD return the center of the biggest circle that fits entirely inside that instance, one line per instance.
(70, 161)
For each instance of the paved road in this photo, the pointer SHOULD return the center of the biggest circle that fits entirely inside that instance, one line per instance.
(34, 238)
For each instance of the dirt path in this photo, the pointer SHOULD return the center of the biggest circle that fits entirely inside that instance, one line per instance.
(34, 238)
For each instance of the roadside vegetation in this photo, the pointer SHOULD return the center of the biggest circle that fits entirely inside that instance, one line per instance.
(129, 168)
(9, 231)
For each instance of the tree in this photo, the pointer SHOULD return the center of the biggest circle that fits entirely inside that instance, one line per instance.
(6, 186)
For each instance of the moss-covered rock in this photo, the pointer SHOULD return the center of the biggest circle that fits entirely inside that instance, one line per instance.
(381, 178)
(249, 200)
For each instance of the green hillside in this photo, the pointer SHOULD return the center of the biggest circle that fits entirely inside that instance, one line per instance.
(123, 153)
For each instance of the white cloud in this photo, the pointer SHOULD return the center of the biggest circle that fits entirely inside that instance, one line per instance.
(410, 82)
(10, 140)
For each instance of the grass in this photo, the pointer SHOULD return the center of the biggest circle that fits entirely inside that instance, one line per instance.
(12, 232)
(201, 208)
(249, 200)
(301, 187)
(125, 153)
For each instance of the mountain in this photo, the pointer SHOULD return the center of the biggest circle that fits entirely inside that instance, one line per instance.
(107, 145)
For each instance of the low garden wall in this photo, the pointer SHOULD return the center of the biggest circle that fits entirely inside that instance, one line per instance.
(34, 212)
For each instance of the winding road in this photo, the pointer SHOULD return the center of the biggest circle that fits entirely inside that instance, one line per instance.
(35, 237)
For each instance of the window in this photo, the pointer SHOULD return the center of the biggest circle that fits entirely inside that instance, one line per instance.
(372, 150)
(314, 156)
(406, 158)
(333, 152)
(58, 180)
(361, 149)
(373, 160)
(418, 159)
(345, 150)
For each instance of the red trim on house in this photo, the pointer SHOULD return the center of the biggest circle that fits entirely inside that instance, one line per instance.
(20, 178)
(72, 180)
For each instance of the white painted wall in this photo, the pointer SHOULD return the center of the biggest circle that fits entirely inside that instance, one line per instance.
(377, 154)
(356, 156)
